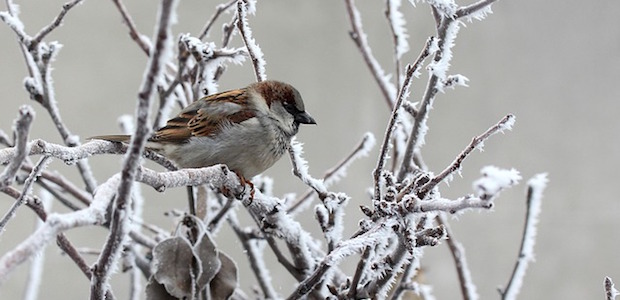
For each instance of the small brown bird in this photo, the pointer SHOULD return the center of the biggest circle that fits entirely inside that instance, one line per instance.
(247, 129)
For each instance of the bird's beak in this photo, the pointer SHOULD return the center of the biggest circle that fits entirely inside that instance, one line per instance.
(304, 118)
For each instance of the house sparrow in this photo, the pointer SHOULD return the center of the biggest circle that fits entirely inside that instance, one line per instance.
(247, 129)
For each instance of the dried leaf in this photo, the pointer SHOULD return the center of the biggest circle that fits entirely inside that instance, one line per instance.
(208, 261)
(172, 261)
(157, 291)
(225, 282)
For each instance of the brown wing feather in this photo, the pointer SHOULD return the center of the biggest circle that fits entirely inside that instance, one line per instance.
(206, 117)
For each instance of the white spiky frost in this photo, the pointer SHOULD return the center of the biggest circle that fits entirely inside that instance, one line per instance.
(494, 180)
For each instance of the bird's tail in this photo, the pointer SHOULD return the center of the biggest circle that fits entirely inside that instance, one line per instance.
(123, 138)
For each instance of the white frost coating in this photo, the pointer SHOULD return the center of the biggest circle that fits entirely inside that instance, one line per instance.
(536, 186)
(426, 291)
(453, 80)
(423, 129)
(250, 43)
(479, 14)
(434, 46)
(440, 68)
(398, 26)
(13, 22)
(445, 7)
(494, 180)
(508, 124)
(467, 280)
(376, 235)
(251, 6)
(296, 150)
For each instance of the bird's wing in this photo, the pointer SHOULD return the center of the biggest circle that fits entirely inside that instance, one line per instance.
(206, 117)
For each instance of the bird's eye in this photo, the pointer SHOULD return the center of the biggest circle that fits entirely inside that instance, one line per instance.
(290, 107)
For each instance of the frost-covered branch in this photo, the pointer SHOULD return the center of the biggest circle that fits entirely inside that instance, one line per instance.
(57, 22)
(346, 248)
(140, 39)
(36, 172)
(477, 142)
(397, 24)
(119, 226)
(536, 186)
(412, 70)
(468, 289)
(39, 56)
(219, 9)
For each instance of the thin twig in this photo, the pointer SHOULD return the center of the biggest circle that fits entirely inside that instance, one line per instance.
(359, 37)
(504, 124)
(256, 54)
(219, 9)
(396, 23)
(135, 35)
(419, 126)
(221, 214)
(468, 289)
(402, 95)
(31, 292)
(36, 171)
(56, 23)
(535, 189)
(257, 263)
(359, 270)
(472, 8)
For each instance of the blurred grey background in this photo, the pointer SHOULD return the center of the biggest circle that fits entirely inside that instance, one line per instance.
(554, 64)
